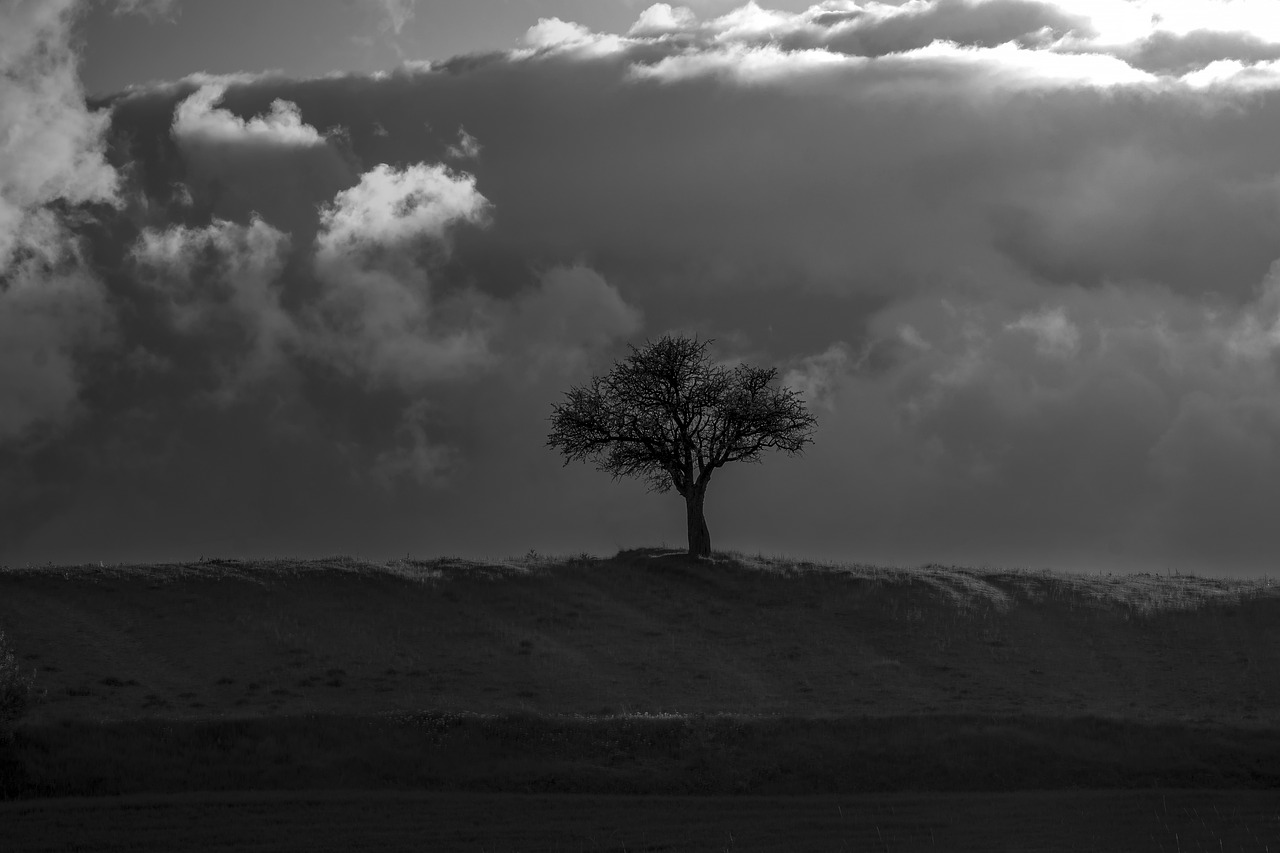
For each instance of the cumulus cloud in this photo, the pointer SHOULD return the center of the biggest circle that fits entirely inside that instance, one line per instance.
(52, 146)
(52, 306)
(553, 32)
(377, 243)
(661, 19)
(264, 163)
(197, 121)
(221, 282)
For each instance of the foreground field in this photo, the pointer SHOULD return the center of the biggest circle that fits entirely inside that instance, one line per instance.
(640, 632)
(631, 755)
(1068, 821)
(523, 705)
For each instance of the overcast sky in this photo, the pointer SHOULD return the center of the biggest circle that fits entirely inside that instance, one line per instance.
(304, 278)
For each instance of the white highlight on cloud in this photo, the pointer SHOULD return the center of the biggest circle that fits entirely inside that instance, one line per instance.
(750, 23)
(51, 152)
(744, 64)
(397, 210)
(51, 147)
(1014, 44)
(1234, 75)
(554, 32)
(197, 119)
(559, 36)
(1014, 67)
(1118, 22)
(377, 316)
(661, 19)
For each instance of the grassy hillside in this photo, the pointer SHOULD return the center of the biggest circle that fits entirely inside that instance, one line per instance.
(641, 673)
(644, 631)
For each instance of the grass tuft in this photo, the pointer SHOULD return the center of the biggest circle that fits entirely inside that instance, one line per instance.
(18, 689)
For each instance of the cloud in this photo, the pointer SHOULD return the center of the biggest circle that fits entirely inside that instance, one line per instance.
(1107, 427)
(48, 319)
(467, 148)
(1017, 256)
(817, 376)
(271, 163)
(221, 283)
(1054, 333)
(662, 18)
(52, 305)
(396, 13)
(553, 32)
(197, 122)
(52, 146)
(155, 10)
(417, 457)
(376, 313)
(571, 315)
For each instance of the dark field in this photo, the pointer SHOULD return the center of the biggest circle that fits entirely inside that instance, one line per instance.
(632, 755)
(524, 705)
(1073, 821)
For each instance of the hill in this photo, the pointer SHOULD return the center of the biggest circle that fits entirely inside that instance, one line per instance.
(645, 631)
(642, 673)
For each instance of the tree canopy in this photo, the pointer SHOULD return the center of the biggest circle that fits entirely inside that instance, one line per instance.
(670, 415)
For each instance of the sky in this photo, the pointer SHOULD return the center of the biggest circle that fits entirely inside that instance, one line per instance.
(299, 278)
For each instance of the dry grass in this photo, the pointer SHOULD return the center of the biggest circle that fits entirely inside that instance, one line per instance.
(643, 631)
(1142, 593)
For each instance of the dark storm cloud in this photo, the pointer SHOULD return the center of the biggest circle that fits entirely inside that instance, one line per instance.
(1016, 255)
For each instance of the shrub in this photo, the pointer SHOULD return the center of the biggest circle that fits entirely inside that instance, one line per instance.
(17, 688)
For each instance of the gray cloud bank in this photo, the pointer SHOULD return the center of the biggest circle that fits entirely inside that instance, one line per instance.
(1018, 256)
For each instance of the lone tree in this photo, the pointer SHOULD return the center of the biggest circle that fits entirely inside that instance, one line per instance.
(670, 415)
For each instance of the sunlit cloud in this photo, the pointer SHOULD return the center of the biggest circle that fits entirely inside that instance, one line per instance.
(377, 242)
(199, 121)
(53, 307)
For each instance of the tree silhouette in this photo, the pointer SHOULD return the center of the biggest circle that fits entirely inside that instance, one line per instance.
(670, 415)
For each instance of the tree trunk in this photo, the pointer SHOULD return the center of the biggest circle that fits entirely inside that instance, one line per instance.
(699, 535)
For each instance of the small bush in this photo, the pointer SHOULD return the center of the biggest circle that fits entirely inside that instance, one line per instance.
(17, 688)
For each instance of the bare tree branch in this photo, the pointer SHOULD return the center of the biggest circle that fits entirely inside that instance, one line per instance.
(668, 415)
